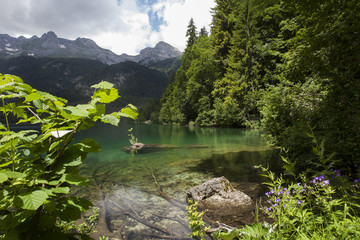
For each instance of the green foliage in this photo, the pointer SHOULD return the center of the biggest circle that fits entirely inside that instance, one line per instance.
(311, 210)
(306, 210)
(196, 223)
(84, 228)
(150, 112)
(191, 33)
(38, 167)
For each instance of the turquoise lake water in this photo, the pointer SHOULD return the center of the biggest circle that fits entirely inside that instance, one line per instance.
(124, 185)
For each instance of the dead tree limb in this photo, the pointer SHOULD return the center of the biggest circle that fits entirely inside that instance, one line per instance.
(172, 201)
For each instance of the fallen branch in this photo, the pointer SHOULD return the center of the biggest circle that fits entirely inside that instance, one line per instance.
(166, 237)
(174, 202)
(221, 226)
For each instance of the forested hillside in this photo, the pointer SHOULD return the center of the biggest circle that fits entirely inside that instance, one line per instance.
(289, 67)
(55, 75)
(71, 78)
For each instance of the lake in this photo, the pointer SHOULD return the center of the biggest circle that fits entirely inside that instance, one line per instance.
(142, 195)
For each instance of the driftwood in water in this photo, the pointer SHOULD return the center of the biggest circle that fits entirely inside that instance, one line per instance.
(146, 148)
(120, 210)
(177, 204)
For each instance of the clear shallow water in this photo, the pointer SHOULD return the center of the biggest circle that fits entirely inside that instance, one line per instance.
(124, 185)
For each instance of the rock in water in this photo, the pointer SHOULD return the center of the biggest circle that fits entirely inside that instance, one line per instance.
(218, 191)
(222, 202)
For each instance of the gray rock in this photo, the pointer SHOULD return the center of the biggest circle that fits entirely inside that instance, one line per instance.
(216, 192)
(49, 45)
(222, 203)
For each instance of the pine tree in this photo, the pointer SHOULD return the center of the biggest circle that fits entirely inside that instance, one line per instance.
(191, 34)
(203, 32)
(222, 27)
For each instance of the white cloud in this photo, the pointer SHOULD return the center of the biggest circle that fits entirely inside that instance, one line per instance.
(177, 15)
(121, 26)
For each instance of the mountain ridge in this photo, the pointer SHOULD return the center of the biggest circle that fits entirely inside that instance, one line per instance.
(50, 45)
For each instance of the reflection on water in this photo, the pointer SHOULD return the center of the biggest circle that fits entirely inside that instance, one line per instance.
(124, 184)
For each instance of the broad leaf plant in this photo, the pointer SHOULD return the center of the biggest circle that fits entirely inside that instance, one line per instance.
(39, 166)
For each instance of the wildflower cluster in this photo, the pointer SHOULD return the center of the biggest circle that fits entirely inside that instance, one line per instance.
(309, 207)
(284, 200)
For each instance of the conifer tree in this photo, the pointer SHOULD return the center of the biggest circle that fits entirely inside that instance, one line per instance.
(222, 30)
(203, 32)
(191, 34)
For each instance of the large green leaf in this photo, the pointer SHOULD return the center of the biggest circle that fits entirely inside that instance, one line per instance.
(3, 177)
(80, 203)
(17, 136)
(107, 95)
(130, 111)
(75, 162)
(103, 85)
(33, 96)
(76, 111)
(89, 145)
(32, 200)
(11, 174)
(64, 190)
(98, 110)
(113, 120)
(76, 180)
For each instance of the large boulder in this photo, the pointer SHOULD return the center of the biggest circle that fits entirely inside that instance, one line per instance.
(222, 201)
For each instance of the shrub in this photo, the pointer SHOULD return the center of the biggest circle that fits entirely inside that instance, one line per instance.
(38, 167)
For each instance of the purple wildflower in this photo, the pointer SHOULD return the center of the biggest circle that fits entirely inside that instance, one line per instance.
(325, 182)
(299, 202)
(356, 180)
(269, 208)
(279, 193)
(277, 200)
(298, 184)
(275, 205)
(272, 191)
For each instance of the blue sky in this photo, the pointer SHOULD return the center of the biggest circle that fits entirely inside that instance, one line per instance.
(123, 26)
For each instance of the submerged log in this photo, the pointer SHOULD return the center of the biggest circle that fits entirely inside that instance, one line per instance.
(147, 148)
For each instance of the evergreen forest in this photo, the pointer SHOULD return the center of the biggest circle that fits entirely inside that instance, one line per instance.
(290, 68)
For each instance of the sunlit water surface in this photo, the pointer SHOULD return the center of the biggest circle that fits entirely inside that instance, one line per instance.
(126, 185)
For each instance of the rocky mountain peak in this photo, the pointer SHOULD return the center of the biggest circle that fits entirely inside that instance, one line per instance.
(161, 51)
(49, 45)
(162, 44)
(49, 35)
(86, 41)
